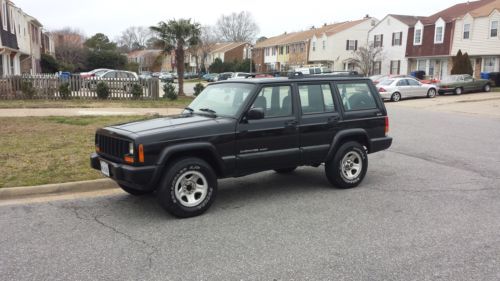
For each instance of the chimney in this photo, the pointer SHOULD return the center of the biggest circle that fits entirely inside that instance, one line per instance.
(312, 27)
(367, 16)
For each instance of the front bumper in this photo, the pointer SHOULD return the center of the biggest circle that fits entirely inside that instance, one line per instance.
(140, 178)
(380, 144)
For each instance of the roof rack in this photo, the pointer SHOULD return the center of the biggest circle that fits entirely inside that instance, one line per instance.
(333, 74)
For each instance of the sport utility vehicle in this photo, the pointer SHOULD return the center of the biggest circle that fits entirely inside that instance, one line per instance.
(239, 127)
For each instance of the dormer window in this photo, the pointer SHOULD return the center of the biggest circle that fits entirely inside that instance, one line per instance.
(418, 37)
(439, 31)
(494, 29)
(466, 31)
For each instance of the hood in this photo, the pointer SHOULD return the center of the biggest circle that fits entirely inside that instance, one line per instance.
(169, 123)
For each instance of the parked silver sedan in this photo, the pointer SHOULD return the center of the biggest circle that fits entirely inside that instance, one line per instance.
(397, 88)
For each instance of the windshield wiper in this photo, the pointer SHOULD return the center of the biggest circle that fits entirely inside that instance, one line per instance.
(208, 110)
(189, 109)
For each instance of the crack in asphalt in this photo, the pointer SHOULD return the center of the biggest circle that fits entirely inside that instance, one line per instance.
(446, 164)
(98, 220)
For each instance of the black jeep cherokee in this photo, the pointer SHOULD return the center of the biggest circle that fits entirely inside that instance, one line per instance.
(239, 127)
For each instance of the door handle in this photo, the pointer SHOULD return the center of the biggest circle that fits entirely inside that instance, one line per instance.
(291, 123)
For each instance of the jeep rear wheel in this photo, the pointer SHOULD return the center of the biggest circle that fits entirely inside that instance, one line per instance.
(285, 170)
(348, 167)
(188, 188)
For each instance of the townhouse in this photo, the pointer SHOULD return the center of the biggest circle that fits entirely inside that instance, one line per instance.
(152, 60)
(434, 40)
(391, 34)
(476, 33)
(333, 45)
(22, 41)
(228, 52)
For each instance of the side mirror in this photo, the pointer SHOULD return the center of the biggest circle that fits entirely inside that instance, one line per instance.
(255, 113)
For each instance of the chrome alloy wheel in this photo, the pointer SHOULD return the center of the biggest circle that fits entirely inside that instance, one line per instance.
(351, 165)
(191, 188)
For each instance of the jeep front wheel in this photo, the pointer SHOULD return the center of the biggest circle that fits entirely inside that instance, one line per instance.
(348, 166)
(188, 188)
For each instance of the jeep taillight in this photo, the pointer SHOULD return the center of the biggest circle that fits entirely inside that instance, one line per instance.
(386, 125)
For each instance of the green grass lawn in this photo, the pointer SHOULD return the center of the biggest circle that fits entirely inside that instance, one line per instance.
(181, 102)
(42, 150)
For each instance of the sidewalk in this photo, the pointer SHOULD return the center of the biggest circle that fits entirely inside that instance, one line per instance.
(38, 112)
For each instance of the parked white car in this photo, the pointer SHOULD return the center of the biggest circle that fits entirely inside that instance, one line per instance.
(397, 88)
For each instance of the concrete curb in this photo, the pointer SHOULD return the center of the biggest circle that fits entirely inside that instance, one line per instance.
(9, 193)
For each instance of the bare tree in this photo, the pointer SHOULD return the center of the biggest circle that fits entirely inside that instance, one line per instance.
(208, 41)
(237, 27)
(69, 48)
(135, 38)
(365, 58)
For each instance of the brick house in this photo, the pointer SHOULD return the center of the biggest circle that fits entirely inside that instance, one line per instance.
(228, 52)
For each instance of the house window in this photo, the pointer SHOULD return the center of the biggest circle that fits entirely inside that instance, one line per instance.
(324, 45)
(378, 40)
(314, 46)
(281, 50)
(274, 51)
(377, 68)
(421, 65)
(287, 49)
(489, 65)
(395, 66)
(432, 66)
(302, 45)
(12, 23)
(494, 29)
(467, 31)
(418, 37)
(438, 38)
(351, 45)
(396, 38)
(4, 15)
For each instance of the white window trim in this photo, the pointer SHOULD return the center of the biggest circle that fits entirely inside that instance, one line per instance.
(491, 28)
(415, 43)
(470, 31)
(4, 17)
(442, 34)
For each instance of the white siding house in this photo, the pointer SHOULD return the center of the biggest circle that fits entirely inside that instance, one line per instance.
(392, 32)
(334, 47)
(478, 35)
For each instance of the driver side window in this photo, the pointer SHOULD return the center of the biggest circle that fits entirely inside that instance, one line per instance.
(276, 101)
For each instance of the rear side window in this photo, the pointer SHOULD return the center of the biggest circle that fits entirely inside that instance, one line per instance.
(316, 98)
(356, 96)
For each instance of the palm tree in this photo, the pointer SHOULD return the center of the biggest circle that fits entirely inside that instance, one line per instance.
(178, 35)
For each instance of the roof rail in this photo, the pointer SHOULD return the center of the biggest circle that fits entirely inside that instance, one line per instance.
(300, 75)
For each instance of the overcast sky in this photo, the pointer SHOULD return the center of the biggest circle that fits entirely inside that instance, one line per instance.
(273, 17)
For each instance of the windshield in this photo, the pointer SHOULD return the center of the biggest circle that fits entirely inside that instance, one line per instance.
(222, 99)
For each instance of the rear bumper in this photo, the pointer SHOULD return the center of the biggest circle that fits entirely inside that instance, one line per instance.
(385, 95)
(380, 144)
(140, 178)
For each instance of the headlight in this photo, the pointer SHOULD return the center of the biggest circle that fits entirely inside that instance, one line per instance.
(131, 148)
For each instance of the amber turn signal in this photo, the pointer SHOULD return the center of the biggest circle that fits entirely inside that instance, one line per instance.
(128, 159)
(141, 153)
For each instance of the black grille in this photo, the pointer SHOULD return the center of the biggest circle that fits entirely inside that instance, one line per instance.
(112, 146)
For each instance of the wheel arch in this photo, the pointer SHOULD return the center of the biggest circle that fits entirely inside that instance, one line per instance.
(358, 135)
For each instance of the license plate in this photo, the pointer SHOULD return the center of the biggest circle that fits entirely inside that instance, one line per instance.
(105, 168)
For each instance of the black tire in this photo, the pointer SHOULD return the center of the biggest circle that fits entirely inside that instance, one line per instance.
(431, 93)
(458, 91)
(285, 170)
(176, 205)
(487, 88)
(396, 97)
(334, 171)
(134, 192)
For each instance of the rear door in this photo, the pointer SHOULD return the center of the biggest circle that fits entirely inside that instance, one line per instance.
(318, 121)
(416, 88)
(404, 88)
(272, 142)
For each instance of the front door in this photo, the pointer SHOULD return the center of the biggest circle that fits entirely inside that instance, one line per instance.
(318, 121)
(271, 142)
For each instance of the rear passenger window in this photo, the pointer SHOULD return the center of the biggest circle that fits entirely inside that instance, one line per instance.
(356, 96)
(316, 98)
(276, 101)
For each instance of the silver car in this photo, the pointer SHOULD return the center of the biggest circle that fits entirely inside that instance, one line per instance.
(397, 88)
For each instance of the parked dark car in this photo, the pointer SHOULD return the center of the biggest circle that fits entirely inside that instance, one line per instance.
(240, 127)
(459, 84)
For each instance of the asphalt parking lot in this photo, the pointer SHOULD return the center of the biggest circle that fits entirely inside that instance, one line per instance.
(428, 210)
